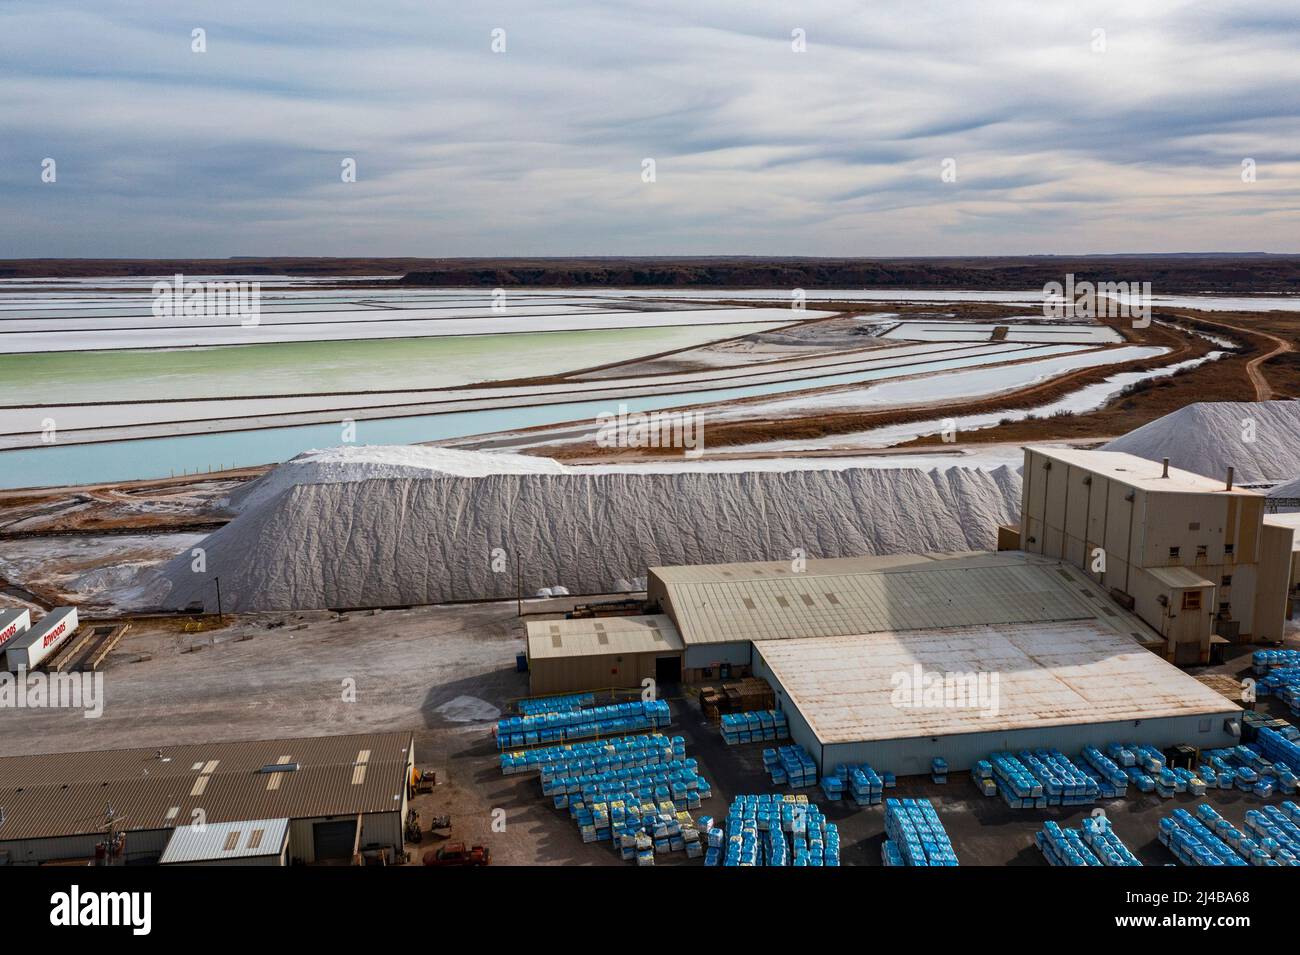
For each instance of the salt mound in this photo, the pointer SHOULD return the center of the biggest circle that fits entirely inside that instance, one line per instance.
(1290, 491)
(1210, 436)
(401, 540)
(362, 462)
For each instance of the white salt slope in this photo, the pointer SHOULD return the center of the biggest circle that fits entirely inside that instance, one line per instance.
(363, 462)
(1209, 436)
(400, 541)
(1289, 491)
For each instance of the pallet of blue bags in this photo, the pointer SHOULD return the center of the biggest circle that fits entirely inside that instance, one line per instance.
(1279, 675)
(857, 782)
(773, 830)
(1095, 844)
(635, 792)
(790, 765)
(1271, 837)
(914, 835)
(1266, 767)
(617, 719)
(755, 726)
(535, 705)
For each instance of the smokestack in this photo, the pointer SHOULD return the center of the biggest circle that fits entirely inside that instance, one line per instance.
(1229, 478)
(1166, 470)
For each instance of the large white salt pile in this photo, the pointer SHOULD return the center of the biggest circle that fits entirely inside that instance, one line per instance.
(399, 541)
(1287, 492)
(359, 462)
(1259, 439)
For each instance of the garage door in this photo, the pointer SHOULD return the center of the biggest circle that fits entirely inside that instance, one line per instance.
(334, 840)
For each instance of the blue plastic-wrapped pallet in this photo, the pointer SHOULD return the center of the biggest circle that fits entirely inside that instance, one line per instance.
(610, 754)
(516, 732)
(939, 770)
(1112, 781)
(754, 726)
(1064, 847)
(981, 774)
(918, 837)
(772, 830)
(1266, 660)
(1276, 832)
(634, 792)
(555, 704)
(1194, 843)
(1105, 844)
(790, 765)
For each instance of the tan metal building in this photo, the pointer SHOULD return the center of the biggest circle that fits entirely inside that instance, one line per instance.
(339, 793)
(567, 656)
(836, 639)
(259, 842)
(1282, 524)
(1192, 556)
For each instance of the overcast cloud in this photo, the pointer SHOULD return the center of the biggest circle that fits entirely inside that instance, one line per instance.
(837, 150)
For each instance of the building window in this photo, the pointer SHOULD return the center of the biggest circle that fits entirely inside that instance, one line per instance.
(1173, 553)
(1194, 526)
(1227, 580)
(1225, 609)
(1228, 549)
(1202, 550)
(1191, 600)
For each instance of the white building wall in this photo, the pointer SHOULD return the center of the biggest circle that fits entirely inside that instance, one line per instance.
(908, 757)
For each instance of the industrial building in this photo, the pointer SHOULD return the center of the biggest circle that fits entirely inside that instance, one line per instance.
(336, 795)
(602, 653)
(261, 842)
(899, 659)
(1193, 557)
(1038, 655)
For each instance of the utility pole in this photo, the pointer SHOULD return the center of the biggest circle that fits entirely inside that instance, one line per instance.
(519, 586)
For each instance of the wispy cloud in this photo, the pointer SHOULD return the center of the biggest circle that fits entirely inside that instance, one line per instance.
(538, 150)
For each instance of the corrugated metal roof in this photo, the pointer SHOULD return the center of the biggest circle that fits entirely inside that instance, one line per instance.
(242, 839)
(863, 688)
(1180, 578)
(915, 594)
(549, 639)
(61, 794)
(780, 569)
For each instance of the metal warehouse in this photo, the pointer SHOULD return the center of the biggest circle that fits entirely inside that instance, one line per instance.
(247, 842)
(601, 653)
(839, 640)
(339, 794)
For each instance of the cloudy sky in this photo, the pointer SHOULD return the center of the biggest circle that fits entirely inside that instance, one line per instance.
(1073, 127)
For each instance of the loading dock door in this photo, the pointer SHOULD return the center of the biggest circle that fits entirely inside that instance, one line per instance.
(668, 670)
(334, 840)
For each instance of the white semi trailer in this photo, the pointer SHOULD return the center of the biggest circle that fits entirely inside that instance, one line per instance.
(12, 623)
(27, 649)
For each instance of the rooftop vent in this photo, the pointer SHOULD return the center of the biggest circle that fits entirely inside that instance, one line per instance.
(280, 768)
